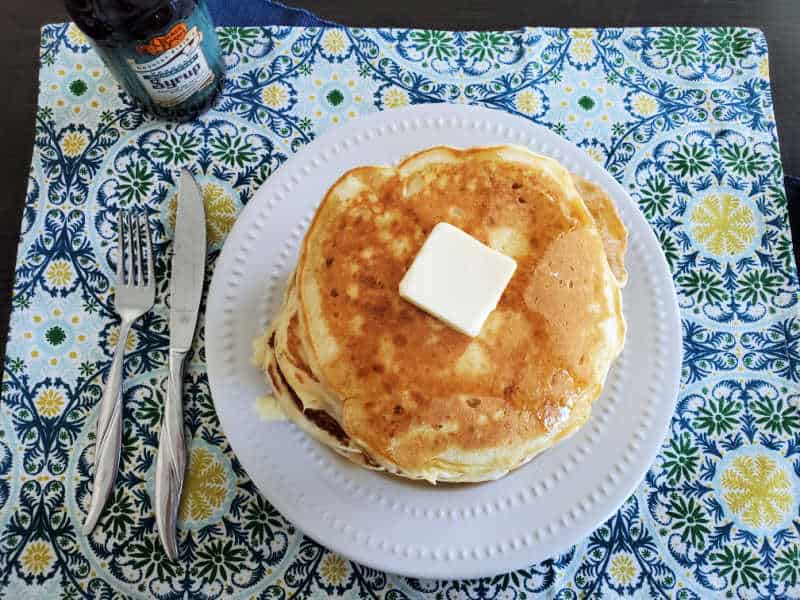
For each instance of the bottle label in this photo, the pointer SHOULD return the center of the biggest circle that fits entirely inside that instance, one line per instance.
(172, 67)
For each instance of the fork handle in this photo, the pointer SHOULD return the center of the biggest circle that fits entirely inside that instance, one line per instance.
(171, 460)
(108, 440)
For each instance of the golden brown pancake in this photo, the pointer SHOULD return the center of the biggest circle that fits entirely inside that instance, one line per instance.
(386, 384)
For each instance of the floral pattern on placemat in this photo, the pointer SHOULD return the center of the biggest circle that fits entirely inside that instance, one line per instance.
(681, 117)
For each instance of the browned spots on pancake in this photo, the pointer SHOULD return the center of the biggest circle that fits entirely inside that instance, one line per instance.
(327, 423)
(274, 378)
(295, 348)
(292, 394)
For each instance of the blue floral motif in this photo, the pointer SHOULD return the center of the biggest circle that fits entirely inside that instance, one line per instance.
(681, 117)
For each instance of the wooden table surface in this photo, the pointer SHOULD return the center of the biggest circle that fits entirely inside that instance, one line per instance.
(20, 21)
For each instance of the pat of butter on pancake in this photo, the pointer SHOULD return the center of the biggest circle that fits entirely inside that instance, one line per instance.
(457, 279)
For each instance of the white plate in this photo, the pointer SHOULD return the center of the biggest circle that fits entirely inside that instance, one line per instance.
(448, 531)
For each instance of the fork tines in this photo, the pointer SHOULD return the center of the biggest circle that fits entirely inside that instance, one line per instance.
(135, 263)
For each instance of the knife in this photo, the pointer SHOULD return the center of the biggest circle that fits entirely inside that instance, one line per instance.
(186, 288)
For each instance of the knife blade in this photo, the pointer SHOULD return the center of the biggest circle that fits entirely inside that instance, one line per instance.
(186, 289)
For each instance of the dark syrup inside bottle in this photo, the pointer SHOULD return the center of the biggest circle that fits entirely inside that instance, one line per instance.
(164, 53)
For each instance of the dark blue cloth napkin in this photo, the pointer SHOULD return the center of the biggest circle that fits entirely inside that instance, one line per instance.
(266, 12)
(254, 13)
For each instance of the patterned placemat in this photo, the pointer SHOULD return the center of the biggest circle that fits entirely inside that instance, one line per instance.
(681, 117)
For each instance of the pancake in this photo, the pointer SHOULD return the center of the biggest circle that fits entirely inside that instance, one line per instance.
(609, 225)
(391, 387)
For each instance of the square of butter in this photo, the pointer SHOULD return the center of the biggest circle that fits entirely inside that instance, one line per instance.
(457, 279)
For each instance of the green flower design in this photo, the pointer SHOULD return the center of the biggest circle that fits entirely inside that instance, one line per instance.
(670, 248)
(586, 103)
(177, 148)
(690, 519)
(681, 459)
(717, 417)
(87, 368)
(149, 555)
(148, 407)
(335, 97)
(757, 286)
(784, 251)
(788, 565)
(743, 160)
(656, 196)
(135, 183)
(739, 564)
(55, 335)
(232, 151)
(776, 417)
(434, 44)
(262, 520)
(118, 517)
(237, 39)
(484, 45)
(679, 45)
(215, 560)
(78, 87)
(690, 160)
(704, 286)
(728, 45)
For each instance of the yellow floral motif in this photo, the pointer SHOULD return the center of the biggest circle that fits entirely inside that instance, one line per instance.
(527, 102)
(205, 487)
(334, 42)
(582, 33)
(37, 558)
(220, 213)
(275, 95)
(644, 105)
(723, 224)
(582, 49)
(49, 402)
(757, 490)
(130, 341)
(763, 68)
(59, 274)
(622, 569)
(595, 153)
(395, 98)
(73, 144)
(333, 568)
(76, 36)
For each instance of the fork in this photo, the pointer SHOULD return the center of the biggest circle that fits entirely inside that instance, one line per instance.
(134, 296)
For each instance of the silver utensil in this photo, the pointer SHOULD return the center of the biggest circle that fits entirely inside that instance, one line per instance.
(186, 288)
(134, 296)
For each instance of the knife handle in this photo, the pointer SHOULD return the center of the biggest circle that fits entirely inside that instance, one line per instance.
(108, 438)
(171, 460)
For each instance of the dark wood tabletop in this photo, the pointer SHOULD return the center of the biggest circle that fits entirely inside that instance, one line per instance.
(20, 21)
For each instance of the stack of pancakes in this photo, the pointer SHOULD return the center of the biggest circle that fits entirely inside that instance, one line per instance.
(392, 388)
